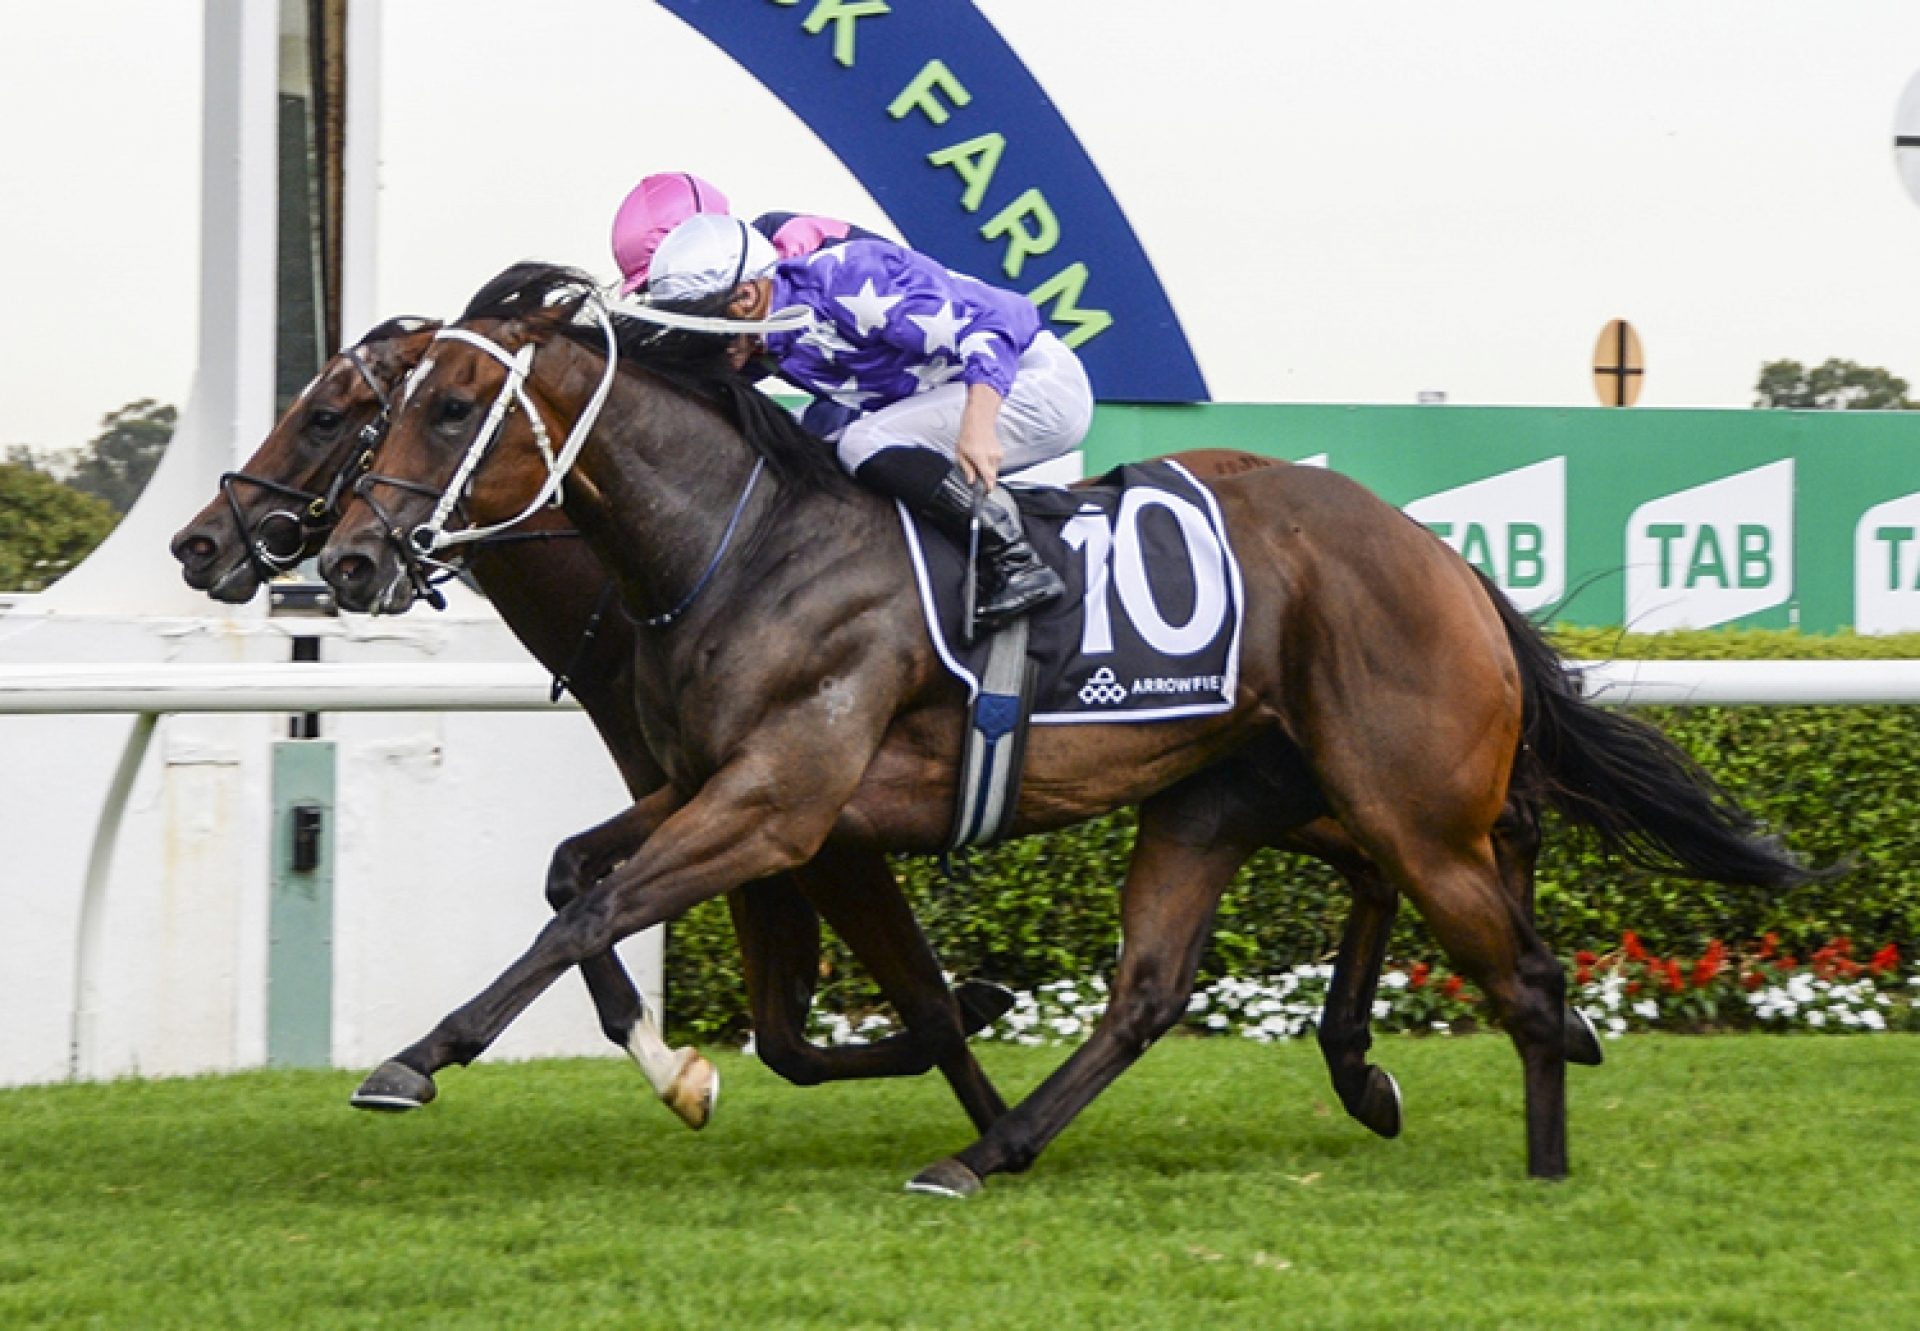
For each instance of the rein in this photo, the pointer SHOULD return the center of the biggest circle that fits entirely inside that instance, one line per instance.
(418, 546)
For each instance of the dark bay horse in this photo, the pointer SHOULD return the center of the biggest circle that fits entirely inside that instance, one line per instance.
(798, 703)
(276, 510)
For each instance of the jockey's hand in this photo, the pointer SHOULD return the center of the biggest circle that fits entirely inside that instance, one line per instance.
(978, 447)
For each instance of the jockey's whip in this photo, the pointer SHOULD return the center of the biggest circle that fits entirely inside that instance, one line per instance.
(970, 596)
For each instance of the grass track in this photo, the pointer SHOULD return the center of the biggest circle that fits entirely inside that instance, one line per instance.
(1720, 1182)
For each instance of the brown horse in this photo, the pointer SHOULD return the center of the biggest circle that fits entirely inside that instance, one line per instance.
(795, 701)
(550, 592)
(275, 512)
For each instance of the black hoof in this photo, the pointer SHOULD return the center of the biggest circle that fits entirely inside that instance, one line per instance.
(393, 1088)
(982, 1003)
(1379, 1107)
(1583, 1041)
(949, 1178)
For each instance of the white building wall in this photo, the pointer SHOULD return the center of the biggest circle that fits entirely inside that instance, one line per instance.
(443, 828)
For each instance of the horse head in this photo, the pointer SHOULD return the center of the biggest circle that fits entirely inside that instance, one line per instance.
(278, 509)
(470, 400)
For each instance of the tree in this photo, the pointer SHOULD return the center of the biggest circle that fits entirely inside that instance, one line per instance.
(116, 465)
(45, 527)
(1836, 385)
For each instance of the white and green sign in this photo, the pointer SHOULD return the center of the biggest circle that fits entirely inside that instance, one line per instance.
(1645, 519)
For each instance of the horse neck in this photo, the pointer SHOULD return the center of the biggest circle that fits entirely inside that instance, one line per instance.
(657, 486)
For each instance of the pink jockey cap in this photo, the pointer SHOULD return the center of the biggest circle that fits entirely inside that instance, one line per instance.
(654, 207)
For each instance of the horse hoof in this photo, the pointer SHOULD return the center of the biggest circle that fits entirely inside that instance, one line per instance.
(982, 1003)
(1380, 1104)
(694, 1088)
(949, 1178)
(393, 1088)
(1583, 1041)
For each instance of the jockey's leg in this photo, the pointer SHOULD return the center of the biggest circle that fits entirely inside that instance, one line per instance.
(906, 450)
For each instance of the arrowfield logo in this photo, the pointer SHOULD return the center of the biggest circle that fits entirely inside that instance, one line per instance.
(1886, 567)
(1104, 688)
(1512, 527)
(1712, 554)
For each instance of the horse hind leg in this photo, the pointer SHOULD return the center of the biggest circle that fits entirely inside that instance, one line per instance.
(1489, 939)
(1183, 860)
(1367, 1091)
(1516, 849)
(860, 898)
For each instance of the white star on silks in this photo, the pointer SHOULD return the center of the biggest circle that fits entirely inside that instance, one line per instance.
(934, 373)
(823, 337)
(868, 307)
(942, 330)
(850, 394)
(976, 344)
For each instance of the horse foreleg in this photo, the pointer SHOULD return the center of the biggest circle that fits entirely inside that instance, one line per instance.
(1173, 886)
(732, 832)
(686, 1082)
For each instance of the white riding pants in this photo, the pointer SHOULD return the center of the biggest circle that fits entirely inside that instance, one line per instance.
(1047, 414)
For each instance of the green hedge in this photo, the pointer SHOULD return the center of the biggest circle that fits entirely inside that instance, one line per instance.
(1841, 784)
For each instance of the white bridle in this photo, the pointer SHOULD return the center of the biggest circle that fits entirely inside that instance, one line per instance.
(432, 534)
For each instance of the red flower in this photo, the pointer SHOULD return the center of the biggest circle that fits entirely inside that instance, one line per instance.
(1786, 962)
(1583, 974)
(1633, 986)
(1631, 941)
(1675, 981)
(1585, 958)
(1709, 964)
(1753, 979)
(1768, 943)
(1452, 986)
(1885, 960)
(1417, 977)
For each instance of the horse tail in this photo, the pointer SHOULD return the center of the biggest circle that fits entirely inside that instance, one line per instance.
(1644, 797)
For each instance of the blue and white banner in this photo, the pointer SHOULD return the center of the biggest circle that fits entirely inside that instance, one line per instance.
(939, 119)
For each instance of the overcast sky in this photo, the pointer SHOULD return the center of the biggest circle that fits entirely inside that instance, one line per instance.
(1345, 203)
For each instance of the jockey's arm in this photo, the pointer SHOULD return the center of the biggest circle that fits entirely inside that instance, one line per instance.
(979, 444)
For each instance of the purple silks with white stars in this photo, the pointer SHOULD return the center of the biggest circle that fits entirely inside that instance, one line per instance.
(890, 323)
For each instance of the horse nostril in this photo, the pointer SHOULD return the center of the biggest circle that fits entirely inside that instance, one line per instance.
(196, 549)
(347, 571)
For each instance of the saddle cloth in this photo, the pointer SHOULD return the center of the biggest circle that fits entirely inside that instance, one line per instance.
(1149, 629)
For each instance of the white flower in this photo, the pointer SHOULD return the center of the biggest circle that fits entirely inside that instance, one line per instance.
(1647, 1009)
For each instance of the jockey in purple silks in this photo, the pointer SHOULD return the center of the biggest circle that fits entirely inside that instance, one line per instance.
(953, 378)
(661, 202)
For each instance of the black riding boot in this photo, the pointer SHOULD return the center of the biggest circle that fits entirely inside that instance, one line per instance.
(1014, 580)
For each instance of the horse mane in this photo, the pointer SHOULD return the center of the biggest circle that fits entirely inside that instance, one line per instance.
(693, 364)
(401, 325)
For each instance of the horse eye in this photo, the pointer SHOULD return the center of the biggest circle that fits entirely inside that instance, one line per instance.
(324, 420)
(453, 410)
